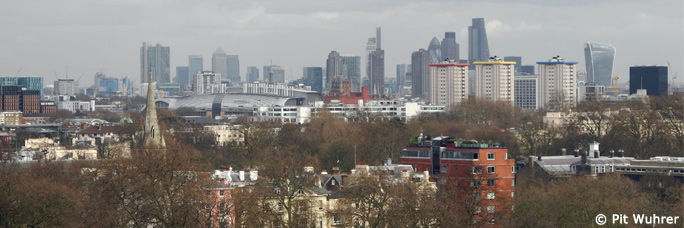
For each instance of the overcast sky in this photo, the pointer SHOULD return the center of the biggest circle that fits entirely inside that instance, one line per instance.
(40, 37)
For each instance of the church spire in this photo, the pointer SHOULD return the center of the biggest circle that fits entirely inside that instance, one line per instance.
(151, 134)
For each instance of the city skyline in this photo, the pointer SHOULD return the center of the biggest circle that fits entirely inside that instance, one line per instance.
(110, 41)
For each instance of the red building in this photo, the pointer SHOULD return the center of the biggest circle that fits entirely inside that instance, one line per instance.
(345, 96)
(479, 173)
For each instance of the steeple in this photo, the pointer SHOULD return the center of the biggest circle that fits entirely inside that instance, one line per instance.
(151, 134)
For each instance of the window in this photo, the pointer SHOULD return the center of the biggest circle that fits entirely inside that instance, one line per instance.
(443, 169)
(512, 169)
(490, 182)
(513, 182)
(280, 207)
(512, 194)
(490, 156)
(490, 169)
(475, 183)
(491, 209)
(490, 196)
(476, 170)
(477, 210)
(336, 220)
(221, 193)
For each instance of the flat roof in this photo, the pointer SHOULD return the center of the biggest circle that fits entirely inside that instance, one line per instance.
(556, 62)
(448, 64)
(495, 62)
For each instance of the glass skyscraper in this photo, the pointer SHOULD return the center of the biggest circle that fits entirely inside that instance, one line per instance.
(155, 59)
(599, 61)
(651, 78)
(233, 63)
(313, 76)
(435, 50)
(183, 77)
(450, 47)
(478, 47)
(219, 63)
(352, 69)
(252, 74)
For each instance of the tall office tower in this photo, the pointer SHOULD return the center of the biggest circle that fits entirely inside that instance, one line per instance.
(447, 83)
(518, 63)
(313, 76)
(450, 48)
(219, 62)
(334, 68)
(277, 72)
(183, 77)
(378, 37)
(599, 62)
(376, 71)
(206, 82)
(527, 70)
(435, 50)
(525, 92)
(409, 76)
(419, 72)
(195, 64)
(557, 84)
(478, 48)
(352, 69)
(233, 74)
(252, 74)
(370, 47)
(401, 76)
(155, 59)
(651, 78)
(494, 80)
(66, 87)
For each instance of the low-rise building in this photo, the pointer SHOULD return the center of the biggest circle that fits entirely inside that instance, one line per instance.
(226, 134)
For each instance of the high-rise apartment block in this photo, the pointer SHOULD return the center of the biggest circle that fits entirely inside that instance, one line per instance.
(557, 84)
(478, 47)
(419, 73)
(252, 74)
(525, 96)
(450, 49)
(651, 78)
(206, 82)
(447, 83)
(599, 62)
(494, 80)
(518, 63)
(155, 59)
(66, 87)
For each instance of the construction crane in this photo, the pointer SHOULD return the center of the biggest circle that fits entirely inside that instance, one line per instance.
(615, 86)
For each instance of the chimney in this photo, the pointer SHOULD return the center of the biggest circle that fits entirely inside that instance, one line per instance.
(242, 175)
(353, 171)
(426, 175)
(253, 175)
(611, 153)
(335, 170)
(597, 154)
(563, 151)
(539, 157)
(404, 174)
(576, 152)
(584, 157)
(217, 173)
(621, 153)
(387, 161)
(531, 161)
(325, 171)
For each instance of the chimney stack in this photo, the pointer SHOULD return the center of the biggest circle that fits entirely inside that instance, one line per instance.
(576, 152)
(563, 151)
(242, 175)
(335, 170)
(621, 153)
(611, 153)
(597, 154)
(584, 157)
(325, 171)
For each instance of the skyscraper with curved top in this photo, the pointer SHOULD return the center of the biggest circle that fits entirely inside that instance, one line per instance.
(478, 47)
(435, 50)
(599, 61)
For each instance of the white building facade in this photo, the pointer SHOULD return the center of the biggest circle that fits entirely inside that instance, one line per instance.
(494, 80)
(206, 82)
(557, 84)
(447, 83)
